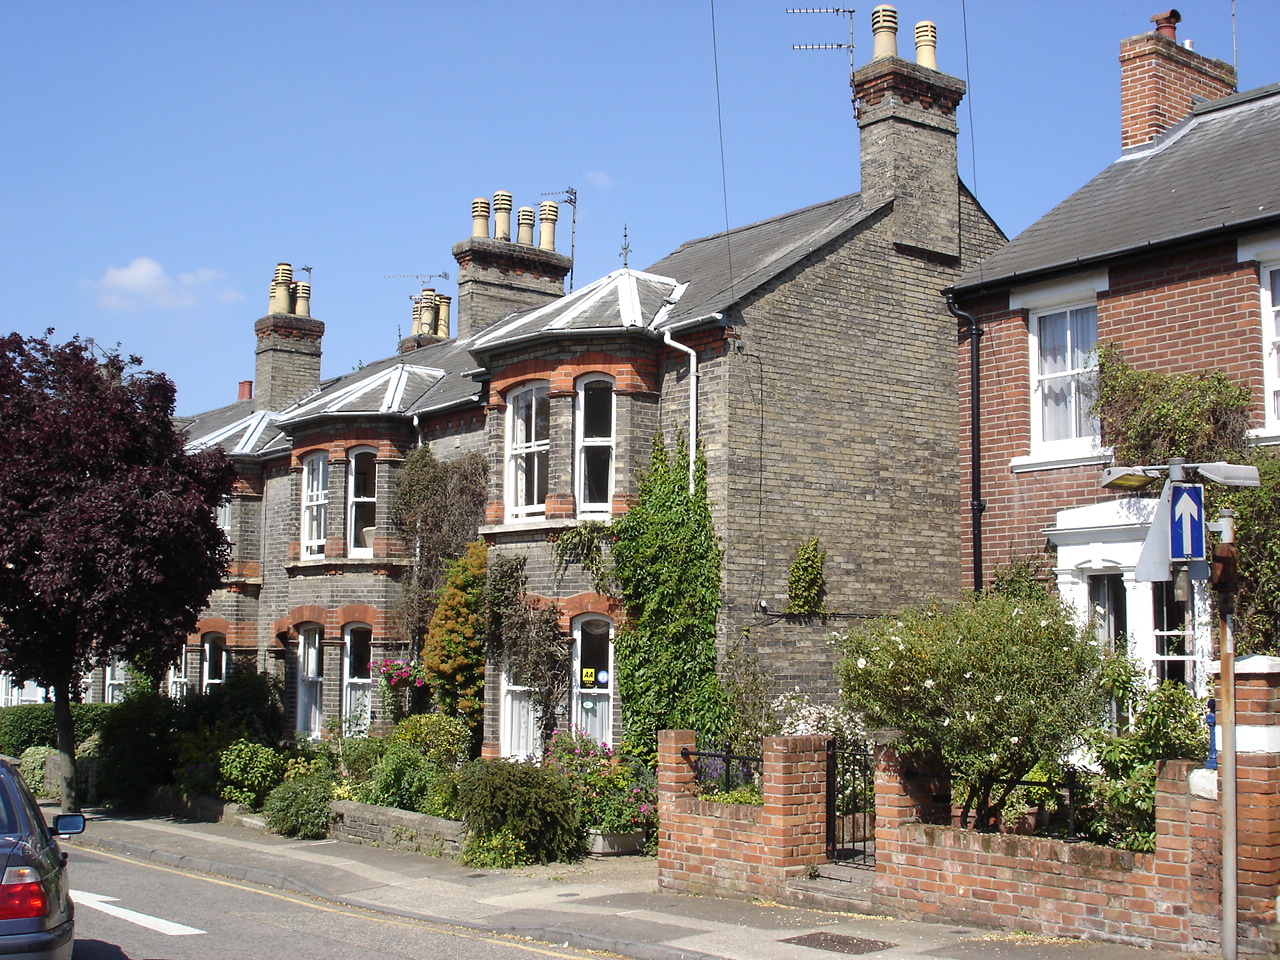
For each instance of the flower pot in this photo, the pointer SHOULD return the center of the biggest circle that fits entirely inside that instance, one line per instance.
(604, 843)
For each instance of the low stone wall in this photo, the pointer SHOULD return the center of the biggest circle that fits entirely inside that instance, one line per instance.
(399, 829)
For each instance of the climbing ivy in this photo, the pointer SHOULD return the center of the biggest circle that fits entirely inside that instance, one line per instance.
(667, 563)
(585, 545)
(437, 508)
(807, 581)
(525, 640)
(1201, 416)
(453, 650)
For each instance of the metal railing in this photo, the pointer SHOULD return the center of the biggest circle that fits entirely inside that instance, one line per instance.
(724, 771)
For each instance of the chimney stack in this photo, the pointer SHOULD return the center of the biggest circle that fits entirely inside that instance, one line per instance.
(497, 276)
(907, 120)
(1161, 81)
(287, 356)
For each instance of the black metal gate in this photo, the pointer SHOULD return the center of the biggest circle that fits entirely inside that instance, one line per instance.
(851, 803)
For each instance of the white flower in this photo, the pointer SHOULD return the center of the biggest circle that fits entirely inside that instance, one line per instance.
(862, 663)
(946, 721)
(1013, 739)
(929, 684)
(1044, 623)
(999, 697)
(968, 674)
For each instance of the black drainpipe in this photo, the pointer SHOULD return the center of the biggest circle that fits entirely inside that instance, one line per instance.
(976, 505)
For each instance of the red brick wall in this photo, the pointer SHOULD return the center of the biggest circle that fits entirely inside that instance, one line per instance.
(1196, 309)
(1158, 80)
(737, 849)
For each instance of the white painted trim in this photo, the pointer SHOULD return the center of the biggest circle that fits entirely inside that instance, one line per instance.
(1253, 737)
(1033, 463)
(1053, 293)
(1261, 246)
(1254, 663)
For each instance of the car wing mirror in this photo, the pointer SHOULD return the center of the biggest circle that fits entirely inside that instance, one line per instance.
(68, 823)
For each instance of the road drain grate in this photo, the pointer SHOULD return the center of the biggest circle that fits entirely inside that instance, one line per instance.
(839, 943)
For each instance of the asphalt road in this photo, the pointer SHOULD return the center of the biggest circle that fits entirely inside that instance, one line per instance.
(131, 910)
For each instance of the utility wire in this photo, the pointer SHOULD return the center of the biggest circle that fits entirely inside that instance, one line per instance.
(724, 179)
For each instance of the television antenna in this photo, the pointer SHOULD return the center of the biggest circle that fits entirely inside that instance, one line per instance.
(569, 195)
(410, 276)
(845, 11)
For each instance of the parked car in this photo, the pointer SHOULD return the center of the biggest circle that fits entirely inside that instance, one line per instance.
(37, 917)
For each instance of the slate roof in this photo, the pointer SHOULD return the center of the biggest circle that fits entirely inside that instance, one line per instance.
(1218, 170)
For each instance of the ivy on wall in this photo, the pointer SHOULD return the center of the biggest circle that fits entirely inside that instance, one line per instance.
(666, 560)
(1201, 416)
(437, 508)
(807, 581)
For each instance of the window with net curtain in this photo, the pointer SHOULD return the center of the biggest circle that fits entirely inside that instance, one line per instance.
(528, 445)
(1066, 370)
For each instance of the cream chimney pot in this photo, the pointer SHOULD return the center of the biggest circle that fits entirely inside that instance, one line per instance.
(884, 29)
(281, 298)
(480, 217)
(442, 316)
(502, 215)
(548, 214)
(927, 44)
(524, 223)
(302, 299)
(426, 311)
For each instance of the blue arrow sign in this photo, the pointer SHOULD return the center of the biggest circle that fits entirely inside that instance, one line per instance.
(1186, 522)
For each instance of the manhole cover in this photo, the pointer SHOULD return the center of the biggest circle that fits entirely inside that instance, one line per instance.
(839, 943)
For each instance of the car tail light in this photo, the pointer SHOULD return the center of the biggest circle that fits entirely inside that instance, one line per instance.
(22, 895)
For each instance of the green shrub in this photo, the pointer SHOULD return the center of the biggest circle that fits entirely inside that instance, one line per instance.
(748, 794)
(248, 706)
(534, 803)
(137, 750)
(33, 725)
(197, 752)
(31, 766)
(358, 756)
(249, 771)
(444, 740)
(499, 850)
(610, 793)
(406, 779)
(87, 754)
(300, 807)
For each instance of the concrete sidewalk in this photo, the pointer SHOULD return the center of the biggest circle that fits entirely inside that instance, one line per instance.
(610, 904)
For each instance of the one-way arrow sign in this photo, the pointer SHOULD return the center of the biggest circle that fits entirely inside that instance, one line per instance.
(1186, 518)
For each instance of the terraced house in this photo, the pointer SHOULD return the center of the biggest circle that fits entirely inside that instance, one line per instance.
(809, 355)
(1172, 253)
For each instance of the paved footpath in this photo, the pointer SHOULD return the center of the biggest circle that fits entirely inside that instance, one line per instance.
(604, 903)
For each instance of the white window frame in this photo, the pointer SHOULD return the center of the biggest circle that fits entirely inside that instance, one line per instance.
(584, 445)
(315, 504)
(1269, 276)
(357, 683)
(310, 685)
(521, 452)
(1084, 443)
(360, 536)
(223, 518)
(115, 681)
(518, 733)
(597, 721)
(213, 650)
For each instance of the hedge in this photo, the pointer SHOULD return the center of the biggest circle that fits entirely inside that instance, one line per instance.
(33, 725)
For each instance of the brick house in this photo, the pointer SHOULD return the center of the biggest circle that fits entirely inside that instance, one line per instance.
(809, 354)
(1173, 253)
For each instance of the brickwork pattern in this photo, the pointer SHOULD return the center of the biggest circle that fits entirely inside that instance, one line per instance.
(1159, 81)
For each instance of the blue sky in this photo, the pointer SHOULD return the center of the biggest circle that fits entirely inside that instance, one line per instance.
(158, 158)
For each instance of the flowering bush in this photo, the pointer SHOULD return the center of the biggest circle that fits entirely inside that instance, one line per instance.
(612, 795)
(984, 689)
(397, 674)
(797, 715)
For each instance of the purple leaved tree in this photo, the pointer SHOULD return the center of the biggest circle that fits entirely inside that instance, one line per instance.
(109, 542)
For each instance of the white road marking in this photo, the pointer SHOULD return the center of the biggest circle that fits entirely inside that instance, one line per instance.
(96, 901)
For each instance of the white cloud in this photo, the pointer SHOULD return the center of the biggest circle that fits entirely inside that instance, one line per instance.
(144, 283)
(598, 178)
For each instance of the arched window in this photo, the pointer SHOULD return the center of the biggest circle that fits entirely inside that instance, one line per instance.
(310, 679)
(362, 501)
(357, 682)
(213, 660)
(594, 429)
(592, 682)
(528, 446)
(315, 504)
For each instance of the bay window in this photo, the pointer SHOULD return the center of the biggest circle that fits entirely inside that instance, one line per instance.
(594, 422)
(315, 504)
(528, 447)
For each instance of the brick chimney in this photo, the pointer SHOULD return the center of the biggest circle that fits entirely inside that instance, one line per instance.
(907, 117)
(497, 275)
(287, 357)
(1161, 81)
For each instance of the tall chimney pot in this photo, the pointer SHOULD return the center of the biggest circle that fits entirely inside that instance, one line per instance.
(502, 215)
(302, 298)
(480, 217)
(246, 390)
(927, 44)
(524, 223)
(884, 28)
(281, 292)
(548, 213)
(442, 316)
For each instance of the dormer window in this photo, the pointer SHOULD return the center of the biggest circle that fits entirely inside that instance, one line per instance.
(594, 421)
(528, 447)
(362, 502)
(315, 504)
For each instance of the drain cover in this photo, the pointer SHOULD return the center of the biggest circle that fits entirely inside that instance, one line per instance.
(839, 943)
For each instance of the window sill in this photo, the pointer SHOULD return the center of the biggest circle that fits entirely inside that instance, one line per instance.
(1265, 436)
(1055, 460)
(341, 565)
(539, 523)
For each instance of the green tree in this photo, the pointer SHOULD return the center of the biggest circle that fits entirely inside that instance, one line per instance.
(109, 545)
(667, 563)
(984, 689)
(453, 650)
